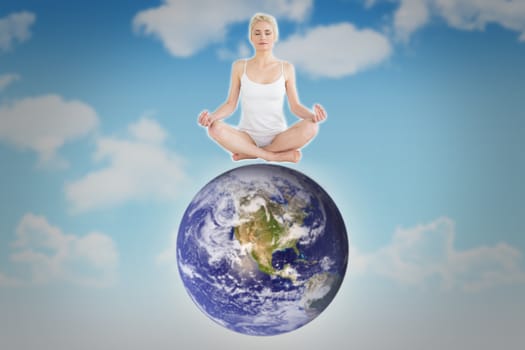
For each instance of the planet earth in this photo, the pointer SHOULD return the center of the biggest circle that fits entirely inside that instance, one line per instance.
(262, 249)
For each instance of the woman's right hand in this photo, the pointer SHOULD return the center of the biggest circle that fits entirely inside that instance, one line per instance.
(205, 118)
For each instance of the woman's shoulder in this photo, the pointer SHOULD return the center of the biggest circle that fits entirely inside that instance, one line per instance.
(238, 67)
(239, 63)
(288, 69)
(287, 65)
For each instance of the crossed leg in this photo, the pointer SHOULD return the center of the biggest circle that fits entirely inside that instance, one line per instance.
(284, 147)
(239, 142)
(295, 137)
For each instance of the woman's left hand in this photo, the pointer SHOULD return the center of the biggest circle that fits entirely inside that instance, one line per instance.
(319, 113)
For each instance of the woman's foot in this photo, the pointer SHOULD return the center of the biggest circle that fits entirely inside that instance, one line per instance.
(293, 156)
(240, 156)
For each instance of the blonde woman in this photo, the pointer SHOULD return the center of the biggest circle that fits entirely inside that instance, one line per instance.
(261, 83)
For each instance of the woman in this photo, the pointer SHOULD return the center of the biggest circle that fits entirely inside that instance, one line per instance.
(261, 82)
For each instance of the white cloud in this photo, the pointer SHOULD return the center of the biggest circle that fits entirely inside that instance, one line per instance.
(476, 14)
(7, 79)
(369, 3)
(15, 27)
(187, 26)
(139, 167)
(52, 256)
(335, 51)
(147, 130)
(43, 124)
(411, 15)
(243, 50)
(426, 252)
(461, 14)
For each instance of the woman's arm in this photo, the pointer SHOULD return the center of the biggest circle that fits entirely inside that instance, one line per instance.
(317, 115)
(228, 107)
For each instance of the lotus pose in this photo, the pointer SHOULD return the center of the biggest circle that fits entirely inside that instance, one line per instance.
(261, 82)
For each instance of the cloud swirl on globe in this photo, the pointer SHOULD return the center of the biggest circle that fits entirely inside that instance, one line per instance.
(262, 249)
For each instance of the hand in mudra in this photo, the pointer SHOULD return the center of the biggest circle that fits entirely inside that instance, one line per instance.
(205, 118)
(319, 113)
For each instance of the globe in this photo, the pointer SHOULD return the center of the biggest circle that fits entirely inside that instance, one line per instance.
(262, 249)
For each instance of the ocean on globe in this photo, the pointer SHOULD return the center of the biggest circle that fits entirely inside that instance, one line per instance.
(262, 249)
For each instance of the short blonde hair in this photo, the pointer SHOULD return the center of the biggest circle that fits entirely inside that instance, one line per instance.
(264, 17)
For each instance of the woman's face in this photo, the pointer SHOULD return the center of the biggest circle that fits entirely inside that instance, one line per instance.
(262, 36)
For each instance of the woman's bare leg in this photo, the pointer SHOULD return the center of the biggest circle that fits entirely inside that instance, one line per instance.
(240, 156)
(296, 156)
(295, 137)
(240, 143)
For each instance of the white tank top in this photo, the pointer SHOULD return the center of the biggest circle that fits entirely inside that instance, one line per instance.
(262, 105)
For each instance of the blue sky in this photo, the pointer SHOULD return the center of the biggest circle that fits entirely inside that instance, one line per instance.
(422, 151)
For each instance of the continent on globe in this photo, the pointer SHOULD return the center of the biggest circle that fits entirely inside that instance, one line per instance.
(265, 235)
(262, 249)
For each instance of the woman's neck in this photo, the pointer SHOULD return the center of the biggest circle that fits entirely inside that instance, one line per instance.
(262, 58)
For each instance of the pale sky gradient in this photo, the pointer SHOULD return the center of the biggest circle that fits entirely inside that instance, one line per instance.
(422, 152)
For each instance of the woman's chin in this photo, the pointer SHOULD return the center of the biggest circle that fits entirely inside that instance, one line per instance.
(264, 48)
